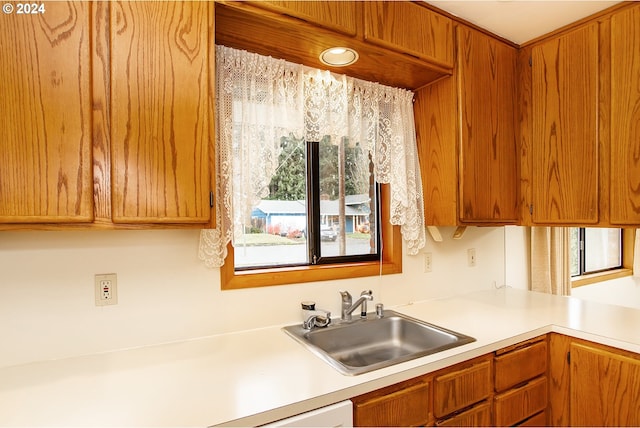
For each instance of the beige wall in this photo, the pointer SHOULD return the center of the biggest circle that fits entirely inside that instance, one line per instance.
(47, 305)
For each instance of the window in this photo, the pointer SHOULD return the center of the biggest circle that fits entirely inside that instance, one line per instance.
(599, 254)
(321, 208)
(317, 175)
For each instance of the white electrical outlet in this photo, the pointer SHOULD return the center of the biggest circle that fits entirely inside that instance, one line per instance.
(428, 262)
(106, 285)
(471, 257)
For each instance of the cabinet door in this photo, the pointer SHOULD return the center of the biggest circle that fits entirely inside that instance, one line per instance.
(625, 118)
(605, 388)
(565, 133)
(399, 405)
(488, 152)
(341, 16)
(160, 54)
(45, 115)
(409, 28)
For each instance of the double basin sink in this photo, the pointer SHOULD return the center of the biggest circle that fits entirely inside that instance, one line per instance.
(363, 345)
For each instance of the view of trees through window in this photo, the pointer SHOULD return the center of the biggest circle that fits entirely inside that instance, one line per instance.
(341, 185)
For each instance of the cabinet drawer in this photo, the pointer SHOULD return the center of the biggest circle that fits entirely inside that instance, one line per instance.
(408, 406)
(461, 388)
(518, 404)
(477, 416)
(538, 420)
(520, 365)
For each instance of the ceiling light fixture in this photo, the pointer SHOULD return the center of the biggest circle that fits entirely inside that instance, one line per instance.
(339, 56)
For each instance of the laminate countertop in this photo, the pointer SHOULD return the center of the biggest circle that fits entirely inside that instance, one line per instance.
(259, 376)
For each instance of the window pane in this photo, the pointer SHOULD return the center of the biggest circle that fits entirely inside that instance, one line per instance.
(574, 248)
(276, 235)
(347, 200)
(602, 249)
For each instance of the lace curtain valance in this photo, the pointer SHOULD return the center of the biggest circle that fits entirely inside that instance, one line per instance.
(261, 99)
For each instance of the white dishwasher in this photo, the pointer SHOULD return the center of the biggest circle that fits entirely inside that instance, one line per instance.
(334, 415)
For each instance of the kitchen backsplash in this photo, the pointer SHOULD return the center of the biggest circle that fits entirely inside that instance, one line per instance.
(165, 293)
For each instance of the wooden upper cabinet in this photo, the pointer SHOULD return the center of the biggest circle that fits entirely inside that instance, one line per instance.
(409, 28)
(565, 128)
(488, 146)
(467, 145)
(160, 101)
(341, 16)
(45, 115)
(625, 118)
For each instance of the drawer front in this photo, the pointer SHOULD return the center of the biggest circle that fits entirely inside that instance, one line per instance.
(538, 420)
(461, 388)
(477, 416)
(518, 404)
(520, 365)
(406, 407)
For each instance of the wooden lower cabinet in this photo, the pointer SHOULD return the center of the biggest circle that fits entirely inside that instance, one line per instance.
(521, 384)
(592, 384)
(605, 386)
(505, 388)
(404, 404)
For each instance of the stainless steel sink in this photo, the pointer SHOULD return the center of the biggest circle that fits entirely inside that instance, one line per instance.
(364, 345)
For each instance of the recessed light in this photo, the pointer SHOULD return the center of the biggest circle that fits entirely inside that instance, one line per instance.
(339, 56)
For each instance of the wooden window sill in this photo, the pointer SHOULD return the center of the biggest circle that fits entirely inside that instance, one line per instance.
(593, 278)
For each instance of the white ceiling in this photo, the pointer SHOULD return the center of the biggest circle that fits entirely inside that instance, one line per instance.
(521, 20)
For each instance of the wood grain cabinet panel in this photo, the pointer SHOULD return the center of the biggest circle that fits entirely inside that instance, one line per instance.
(341, 16)
(465, 127)
(45, 115)
(565, 128)
(520, 365)
(477, 416)
(404, 404)
(625, 118)
(604, 387)
(537, 420)
(410, 28)
(518, 404)
(488, 145)
(461, 388)
(160, 53)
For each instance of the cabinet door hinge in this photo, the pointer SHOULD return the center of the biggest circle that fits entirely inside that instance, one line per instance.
(531, 209)
(530, 62)
(211, 199)
(569, 357)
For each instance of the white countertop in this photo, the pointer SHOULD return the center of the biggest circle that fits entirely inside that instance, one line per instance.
(258, 376)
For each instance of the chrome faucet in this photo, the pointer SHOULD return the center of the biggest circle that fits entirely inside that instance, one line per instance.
(348, 307)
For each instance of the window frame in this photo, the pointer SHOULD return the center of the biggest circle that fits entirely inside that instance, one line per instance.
(390, 262)
(628, 240)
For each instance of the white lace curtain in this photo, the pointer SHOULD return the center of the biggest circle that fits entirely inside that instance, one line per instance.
(261, 99)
